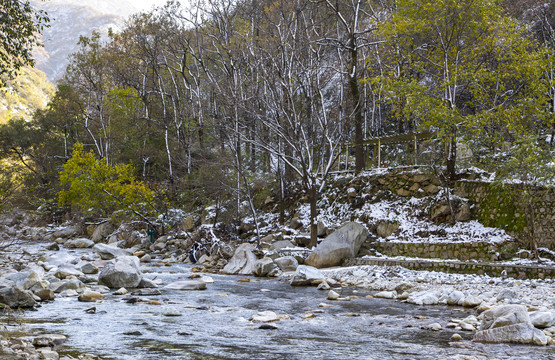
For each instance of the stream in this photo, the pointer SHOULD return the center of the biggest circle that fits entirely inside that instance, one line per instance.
(214, 324)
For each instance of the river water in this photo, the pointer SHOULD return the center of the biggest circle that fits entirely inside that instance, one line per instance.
(214, 324)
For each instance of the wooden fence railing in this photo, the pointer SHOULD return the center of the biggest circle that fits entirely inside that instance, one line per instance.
(385, 151)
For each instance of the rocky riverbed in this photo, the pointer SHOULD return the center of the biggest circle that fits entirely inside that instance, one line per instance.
(147, 302)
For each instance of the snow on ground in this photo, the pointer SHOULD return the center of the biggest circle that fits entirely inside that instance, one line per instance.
(410, 214)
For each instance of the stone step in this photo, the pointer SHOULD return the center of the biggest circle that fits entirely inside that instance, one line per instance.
(462, 267)
(463, 251)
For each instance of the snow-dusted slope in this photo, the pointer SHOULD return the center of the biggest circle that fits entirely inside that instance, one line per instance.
(71, 19)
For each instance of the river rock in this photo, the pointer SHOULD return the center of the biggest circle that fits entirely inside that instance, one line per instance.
(147, 292)
(307, 275)
(433, 327)
(69, 293)
(79, 243)
(517, 333)
(90, 296)
(121, 291)
(287, 263)
(25, 279)
(504, 315)
(385, 295)
(542, 319)
(506, 295)
(509, 323)
(52, 246)
(67, 232)
(265, 316)
(66, 271)
(15, 297)
(186, 285)
(123, 272)
(45, 294)
(472, 301)
(265, 267)
(147, 284)
(455, 298)
(68, 284)
(332, 295)
(89, 268)
(108, 252)
(102, 231)
(243, 260)
(344, 243)
(49, 340)
(423, 298)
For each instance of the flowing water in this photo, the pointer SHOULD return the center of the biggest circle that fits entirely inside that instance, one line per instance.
(214, 324)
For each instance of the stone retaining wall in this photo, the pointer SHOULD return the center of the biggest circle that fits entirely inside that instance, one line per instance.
(514, 271)
(479, 251)
(505, 208)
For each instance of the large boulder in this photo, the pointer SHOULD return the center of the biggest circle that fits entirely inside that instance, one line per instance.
(504, 315)
(265, 267)
(108, 252)
(307, 275)
(509, 323)
(243, 260)
(287, 263)
(15, 297)
(25, 279)
(123, 272)
(102, 231)
(344, 243)
(79, 243)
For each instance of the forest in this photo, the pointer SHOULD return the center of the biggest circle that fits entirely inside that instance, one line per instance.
(192, 106)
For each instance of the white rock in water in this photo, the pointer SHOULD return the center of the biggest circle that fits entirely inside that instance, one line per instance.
(455, 298)
(385, 295)
(186, 285)
(207, 279)
(519, 333)
(121, 291)
(467, 327)
(306, 275)
(471, 301)
(265, 316)
(433, 327)
(425, 298)
(332, 295)
(542, 319)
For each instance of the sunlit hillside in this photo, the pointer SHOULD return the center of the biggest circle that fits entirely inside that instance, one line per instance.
(23, 95)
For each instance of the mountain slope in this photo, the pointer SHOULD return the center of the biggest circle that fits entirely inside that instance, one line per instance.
(71, 19)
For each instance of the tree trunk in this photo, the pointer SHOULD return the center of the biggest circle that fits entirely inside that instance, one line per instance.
(451, 155)
(313, 214)
(357, 111)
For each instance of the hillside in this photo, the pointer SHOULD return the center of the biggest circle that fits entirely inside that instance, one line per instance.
(29, 91)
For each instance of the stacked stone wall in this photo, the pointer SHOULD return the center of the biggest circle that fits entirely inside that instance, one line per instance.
(508, 207)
